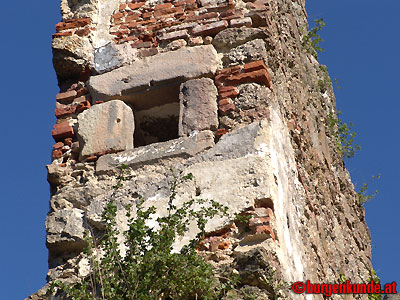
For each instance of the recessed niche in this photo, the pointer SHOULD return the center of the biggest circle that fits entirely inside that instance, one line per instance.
(157, 124)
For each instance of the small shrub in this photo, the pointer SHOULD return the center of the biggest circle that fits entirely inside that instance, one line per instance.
(150, 269)
(311, 41)
(363, 197)
(344, 136)
(376, 280)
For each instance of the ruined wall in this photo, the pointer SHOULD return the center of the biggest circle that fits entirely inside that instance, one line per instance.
(224, 90)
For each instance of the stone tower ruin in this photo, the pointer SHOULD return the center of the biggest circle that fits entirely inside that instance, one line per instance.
(225, 90)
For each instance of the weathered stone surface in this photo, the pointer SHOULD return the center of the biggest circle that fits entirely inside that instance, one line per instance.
(105, 128)
(392, 297)
(233, 37)
(157, 70)
(198, 106)
(72, 55)
(250, 51)
(182, 147)
(65, 230)
(106, 58)
(241, 142)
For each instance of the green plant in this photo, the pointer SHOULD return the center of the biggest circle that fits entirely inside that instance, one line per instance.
(325, 81)
(342, 279)
(376, 280)
(150, 268)
(311, 40)
(344, 136)
(363, 197)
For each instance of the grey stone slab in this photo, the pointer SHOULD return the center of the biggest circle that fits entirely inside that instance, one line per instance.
(233, 37)
(198, 106)
(154, 72)
(106, 58)
(65, 230)
(183, 147)
(250, 139)
(105, 128)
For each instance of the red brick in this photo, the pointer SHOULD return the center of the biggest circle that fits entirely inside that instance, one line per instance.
(132, 17)
(146, 22)
(225, 109)
(73, 23)
(134, 6)
(228, 92)
(92, 158)
(224, 245)
(62, 34)
(163, 6)
(258, 76)
(265, 229)
(147, 15)
(82, 32)
(62, 130)
(82, 99)
(168, 11)
(58, 145)
(148, 52)
(132, 25)
(210, 15)
(227, 13)
(254, 65)
(67, 110)
(127, 39)
(66, 97)
(235, 16)
(83, 106)
(155, 27)
(180, 34)
(118, 16)
(224, 102)
(57, 154)
(185, 3)
(142, 45)
(68, 142)
(221, 131)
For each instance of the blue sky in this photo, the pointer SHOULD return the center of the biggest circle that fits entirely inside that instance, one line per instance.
(362, 48)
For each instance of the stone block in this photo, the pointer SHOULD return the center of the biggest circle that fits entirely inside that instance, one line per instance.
(106, 58)
(242, 22)
(210, 29)
(135, 82)
(183, 147)
(233, 37)
(198, 106)
(105, 128)
(174, 35)
(65, 231)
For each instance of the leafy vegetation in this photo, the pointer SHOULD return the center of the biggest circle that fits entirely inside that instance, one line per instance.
(376, 280)
(150, 269)
(344, 136)
(311, 41)
(363, 197)
(325, 81)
